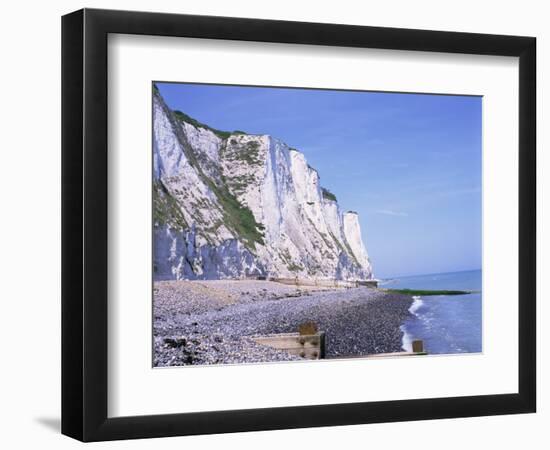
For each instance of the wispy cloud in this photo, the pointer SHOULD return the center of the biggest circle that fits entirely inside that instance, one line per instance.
(400, 165)
(389, 212)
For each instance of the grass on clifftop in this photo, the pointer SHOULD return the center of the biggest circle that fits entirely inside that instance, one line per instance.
(328, 195)
(221, 134)
(426, 292)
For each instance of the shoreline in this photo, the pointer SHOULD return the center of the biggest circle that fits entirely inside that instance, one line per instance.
(407, 337)
(212, 322)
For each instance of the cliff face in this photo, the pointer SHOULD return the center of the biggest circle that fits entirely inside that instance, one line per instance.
(231, 205)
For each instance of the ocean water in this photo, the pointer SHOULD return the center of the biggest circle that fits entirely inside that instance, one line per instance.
(446, 323)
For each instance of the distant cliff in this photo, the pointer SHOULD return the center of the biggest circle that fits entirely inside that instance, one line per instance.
(231, 205)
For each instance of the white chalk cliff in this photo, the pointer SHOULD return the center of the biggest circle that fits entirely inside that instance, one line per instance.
(234, 205)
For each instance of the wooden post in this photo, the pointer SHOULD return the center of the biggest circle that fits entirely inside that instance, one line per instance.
(418, 346)
(322, 350)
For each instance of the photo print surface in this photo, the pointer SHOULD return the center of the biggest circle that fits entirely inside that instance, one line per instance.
(306, 224)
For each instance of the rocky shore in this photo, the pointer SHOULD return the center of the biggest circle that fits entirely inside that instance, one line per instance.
(211, 322)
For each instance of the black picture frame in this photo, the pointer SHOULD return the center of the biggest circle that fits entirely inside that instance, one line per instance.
(84, 224)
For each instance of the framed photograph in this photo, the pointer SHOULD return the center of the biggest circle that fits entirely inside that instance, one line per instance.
(273, 224)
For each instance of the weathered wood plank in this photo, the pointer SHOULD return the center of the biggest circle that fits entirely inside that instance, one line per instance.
(313, 346)
(305, 346)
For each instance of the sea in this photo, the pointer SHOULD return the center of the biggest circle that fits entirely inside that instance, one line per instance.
(446, 323)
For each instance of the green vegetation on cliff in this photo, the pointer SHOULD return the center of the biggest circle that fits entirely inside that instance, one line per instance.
(426, 292)
(166, 210)
(237, 216)
(328, 195)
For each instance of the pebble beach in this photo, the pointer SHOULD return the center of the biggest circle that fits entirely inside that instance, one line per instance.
(213, 322)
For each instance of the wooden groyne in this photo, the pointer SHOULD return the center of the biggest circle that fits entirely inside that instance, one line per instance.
(307, 346)
(313, 346)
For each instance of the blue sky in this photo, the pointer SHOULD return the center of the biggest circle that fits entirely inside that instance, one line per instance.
(409, 164)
